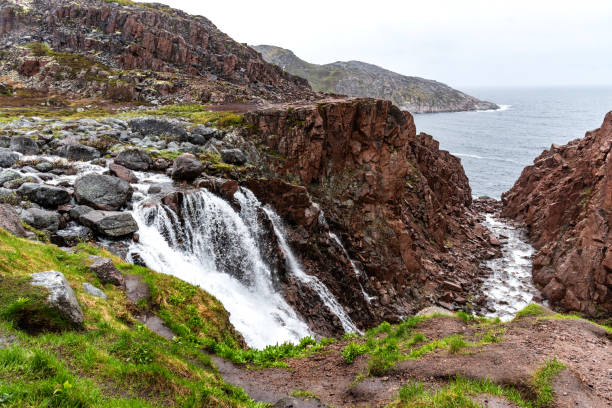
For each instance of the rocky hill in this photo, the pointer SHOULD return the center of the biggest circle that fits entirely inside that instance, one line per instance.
(132, 52)
(565, 198)
(356, 78)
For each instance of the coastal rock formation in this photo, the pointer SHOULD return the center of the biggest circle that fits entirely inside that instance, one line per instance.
(565, 198)
(398, 203)
(356, 78)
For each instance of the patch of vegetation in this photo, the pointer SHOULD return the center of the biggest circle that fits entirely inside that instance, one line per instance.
(196, 114)
(114, 361)
(542, 382)
(353, 350)
(271, 356)
(531, 309)
(304, 395)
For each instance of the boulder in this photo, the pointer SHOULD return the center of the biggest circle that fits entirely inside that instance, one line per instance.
(220, 186)
(134, 159)
(61, 296)
(44, 167)
(71, 236)
(233, 156)
(106, 272)
(42, 194)
(77, 211)
(93, 291)
(123, 173)
(8, 157)
(9, 220)
(102, 192)
(43, 220)
(159, 126)
(186, 167)
(76, 151)
(8, 175)
(24, 145)
(112, 224)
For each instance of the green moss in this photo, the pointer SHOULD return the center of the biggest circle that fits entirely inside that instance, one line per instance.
(304, 395)
(530, 310)
(194, 113)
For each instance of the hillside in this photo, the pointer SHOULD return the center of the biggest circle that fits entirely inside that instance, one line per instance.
(356, 78)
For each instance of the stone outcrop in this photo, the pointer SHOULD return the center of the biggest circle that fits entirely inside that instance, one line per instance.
(398, 203)
(102, 192)
(565, 199)
(9, 220)
(111, 224)
(61, 296)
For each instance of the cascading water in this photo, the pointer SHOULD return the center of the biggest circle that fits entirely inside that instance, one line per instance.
(509, 288)
(312, 281)
(212, 246)
(367, 297)
(220, 249)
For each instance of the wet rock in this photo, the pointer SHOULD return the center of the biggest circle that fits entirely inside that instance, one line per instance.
(8, 157)
(112, 224)
(42, 194)
(77, 211)
(92, 290)
(71, 236)
(134, 159)
(102, 192)
(79, 152)
(161, 164)
(186, 167)
(9, 220)
(223, 187)
(233, 156)
(8, 175)
(24, 145)
(44, 167)
(43, 220)
(61, 296)
(106, 272)
(123, 173)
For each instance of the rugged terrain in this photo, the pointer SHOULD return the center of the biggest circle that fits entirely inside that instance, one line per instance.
(360, 79)
(565, 198)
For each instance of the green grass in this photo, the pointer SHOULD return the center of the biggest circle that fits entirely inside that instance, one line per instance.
(196, 114)
(304, 395)
(114, 361)
(531, 309)
(542, 382)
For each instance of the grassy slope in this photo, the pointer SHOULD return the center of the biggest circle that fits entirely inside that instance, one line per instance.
(114, 361)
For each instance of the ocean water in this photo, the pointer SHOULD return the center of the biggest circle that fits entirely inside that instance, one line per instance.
(495, 146)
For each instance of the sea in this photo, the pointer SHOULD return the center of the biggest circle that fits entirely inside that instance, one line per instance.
(495, 146)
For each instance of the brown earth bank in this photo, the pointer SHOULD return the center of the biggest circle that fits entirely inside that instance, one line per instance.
(522, 348)
(401, 206)
(565, 199)
(133, 52)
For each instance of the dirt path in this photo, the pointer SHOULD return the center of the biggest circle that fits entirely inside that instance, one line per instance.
(527, 344)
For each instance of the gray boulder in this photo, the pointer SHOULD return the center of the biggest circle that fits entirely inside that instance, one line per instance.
(134, 159)
(9, 220)
(61, 296)
(159, 126)
(92, 290)
(76, 151)
(71, 236)
(186, 167)
(105, 270)
(24, 145)
(233, 156)
(8, 175)
(42, 194)
(43, 220)
(78, 210)
(8, 157)
(44, 167)
(102, 192)
(112, 224)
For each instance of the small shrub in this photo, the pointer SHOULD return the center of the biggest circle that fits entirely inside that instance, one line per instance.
(353, 350)
(455, 344)
(465, 317)
(383, 359)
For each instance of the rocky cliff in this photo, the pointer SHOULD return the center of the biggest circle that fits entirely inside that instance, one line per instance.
(565, 198)
(150, 50)
(399, 204)
(356, 78)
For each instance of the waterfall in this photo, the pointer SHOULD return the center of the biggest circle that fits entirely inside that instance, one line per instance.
(212, 246)
(367, 297)
(218, 248)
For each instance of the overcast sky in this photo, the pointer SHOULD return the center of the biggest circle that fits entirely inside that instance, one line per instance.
(460, 42)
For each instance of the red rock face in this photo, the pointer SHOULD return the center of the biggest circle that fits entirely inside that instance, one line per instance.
(565, 198)
(399, 204)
